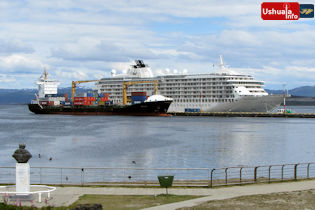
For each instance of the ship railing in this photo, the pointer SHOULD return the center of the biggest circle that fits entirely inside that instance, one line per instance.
(148, 176)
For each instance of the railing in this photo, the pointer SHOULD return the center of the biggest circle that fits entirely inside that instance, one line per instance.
(259, 174)
(148, 176)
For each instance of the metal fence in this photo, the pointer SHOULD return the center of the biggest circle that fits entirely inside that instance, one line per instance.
(148, 176)
(259, 174)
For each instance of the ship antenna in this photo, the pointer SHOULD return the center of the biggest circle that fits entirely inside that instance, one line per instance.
(221, 63)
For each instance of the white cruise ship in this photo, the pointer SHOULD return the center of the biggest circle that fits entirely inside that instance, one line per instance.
(223, 91)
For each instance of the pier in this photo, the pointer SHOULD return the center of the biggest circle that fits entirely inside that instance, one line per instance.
(245, 114)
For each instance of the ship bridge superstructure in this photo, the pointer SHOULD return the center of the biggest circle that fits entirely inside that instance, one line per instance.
(46, 86)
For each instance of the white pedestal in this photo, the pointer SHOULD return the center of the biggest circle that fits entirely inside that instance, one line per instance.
(22, 177)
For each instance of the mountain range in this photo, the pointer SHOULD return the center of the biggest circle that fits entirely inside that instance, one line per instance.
(24, 96)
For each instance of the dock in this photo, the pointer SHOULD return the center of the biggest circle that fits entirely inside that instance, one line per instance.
(245, 114)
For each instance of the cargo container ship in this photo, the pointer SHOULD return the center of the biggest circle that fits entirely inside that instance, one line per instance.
(93, 103)
(222, 91)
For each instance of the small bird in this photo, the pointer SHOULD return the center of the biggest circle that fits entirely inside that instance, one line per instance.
(38, 155)
(134, 162)
(50, 159)
(129, 177)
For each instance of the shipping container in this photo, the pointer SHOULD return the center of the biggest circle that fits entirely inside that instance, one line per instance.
(192, 110)
(138, 93)
(76, 103)
(138, 98)
(55, 99)
(101, 103)
(78, 98)
(43, 102)
(80, 95)
(104, 99)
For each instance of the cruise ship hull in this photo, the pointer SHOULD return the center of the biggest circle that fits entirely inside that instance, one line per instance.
(243, 104)
(157, 108)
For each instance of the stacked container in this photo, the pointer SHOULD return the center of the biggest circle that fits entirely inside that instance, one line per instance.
(103, 97)
(90, 99)
(138, 97)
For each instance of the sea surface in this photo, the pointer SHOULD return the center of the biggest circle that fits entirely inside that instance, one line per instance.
(155, 142)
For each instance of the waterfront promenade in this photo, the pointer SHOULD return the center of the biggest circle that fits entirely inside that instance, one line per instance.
(65, 196)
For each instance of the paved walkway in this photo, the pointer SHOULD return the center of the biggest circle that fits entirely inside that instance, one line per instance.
(65, 196)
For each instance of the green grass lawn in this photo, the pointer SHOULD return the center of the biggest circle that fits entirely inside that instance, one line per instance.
(131, 201)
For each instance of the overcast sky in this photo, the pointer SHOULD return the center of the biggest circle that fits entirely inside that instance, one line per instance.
(76, 40)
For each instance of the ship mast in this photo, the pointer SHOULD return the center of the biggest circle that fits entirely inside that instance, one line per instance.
(45, 73)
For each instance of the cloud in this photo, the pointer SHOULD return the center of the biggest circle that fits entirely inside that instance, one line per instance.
(106, 51)
(6, 79)
(8, 47)
(100, 50)
(20, 63)
(85, 40)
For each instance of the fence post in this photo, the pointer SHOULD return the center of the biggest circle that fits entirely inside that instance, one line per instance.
(226, 175)
(40, 175)
(282, 172)
(269, 173)
(61, 176)
(124, 175)
(308, 170)
(211, 177)
(209, 174)
(255, 174)
(241, 175)
(295, 171)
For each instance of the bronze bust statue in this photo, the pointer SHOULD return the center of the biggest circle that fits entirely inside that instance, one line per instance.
(21, 155)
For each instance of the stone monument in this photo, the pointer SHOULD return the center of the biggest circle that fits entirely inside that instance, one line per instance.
(21, 156)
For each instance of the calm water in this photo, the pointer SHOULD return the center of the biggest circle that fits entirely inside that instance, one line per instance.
(115, 141)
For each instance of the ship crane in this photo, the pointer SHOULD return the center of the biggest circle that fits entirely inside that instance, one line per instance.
(126, 84)
(75, 83)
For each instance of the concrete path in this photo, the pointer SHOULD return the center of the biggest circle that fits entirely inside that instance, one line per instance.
(65, 196)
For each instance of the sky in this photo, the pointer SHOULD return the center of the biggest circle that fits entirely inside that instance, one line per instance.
(80, 40)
